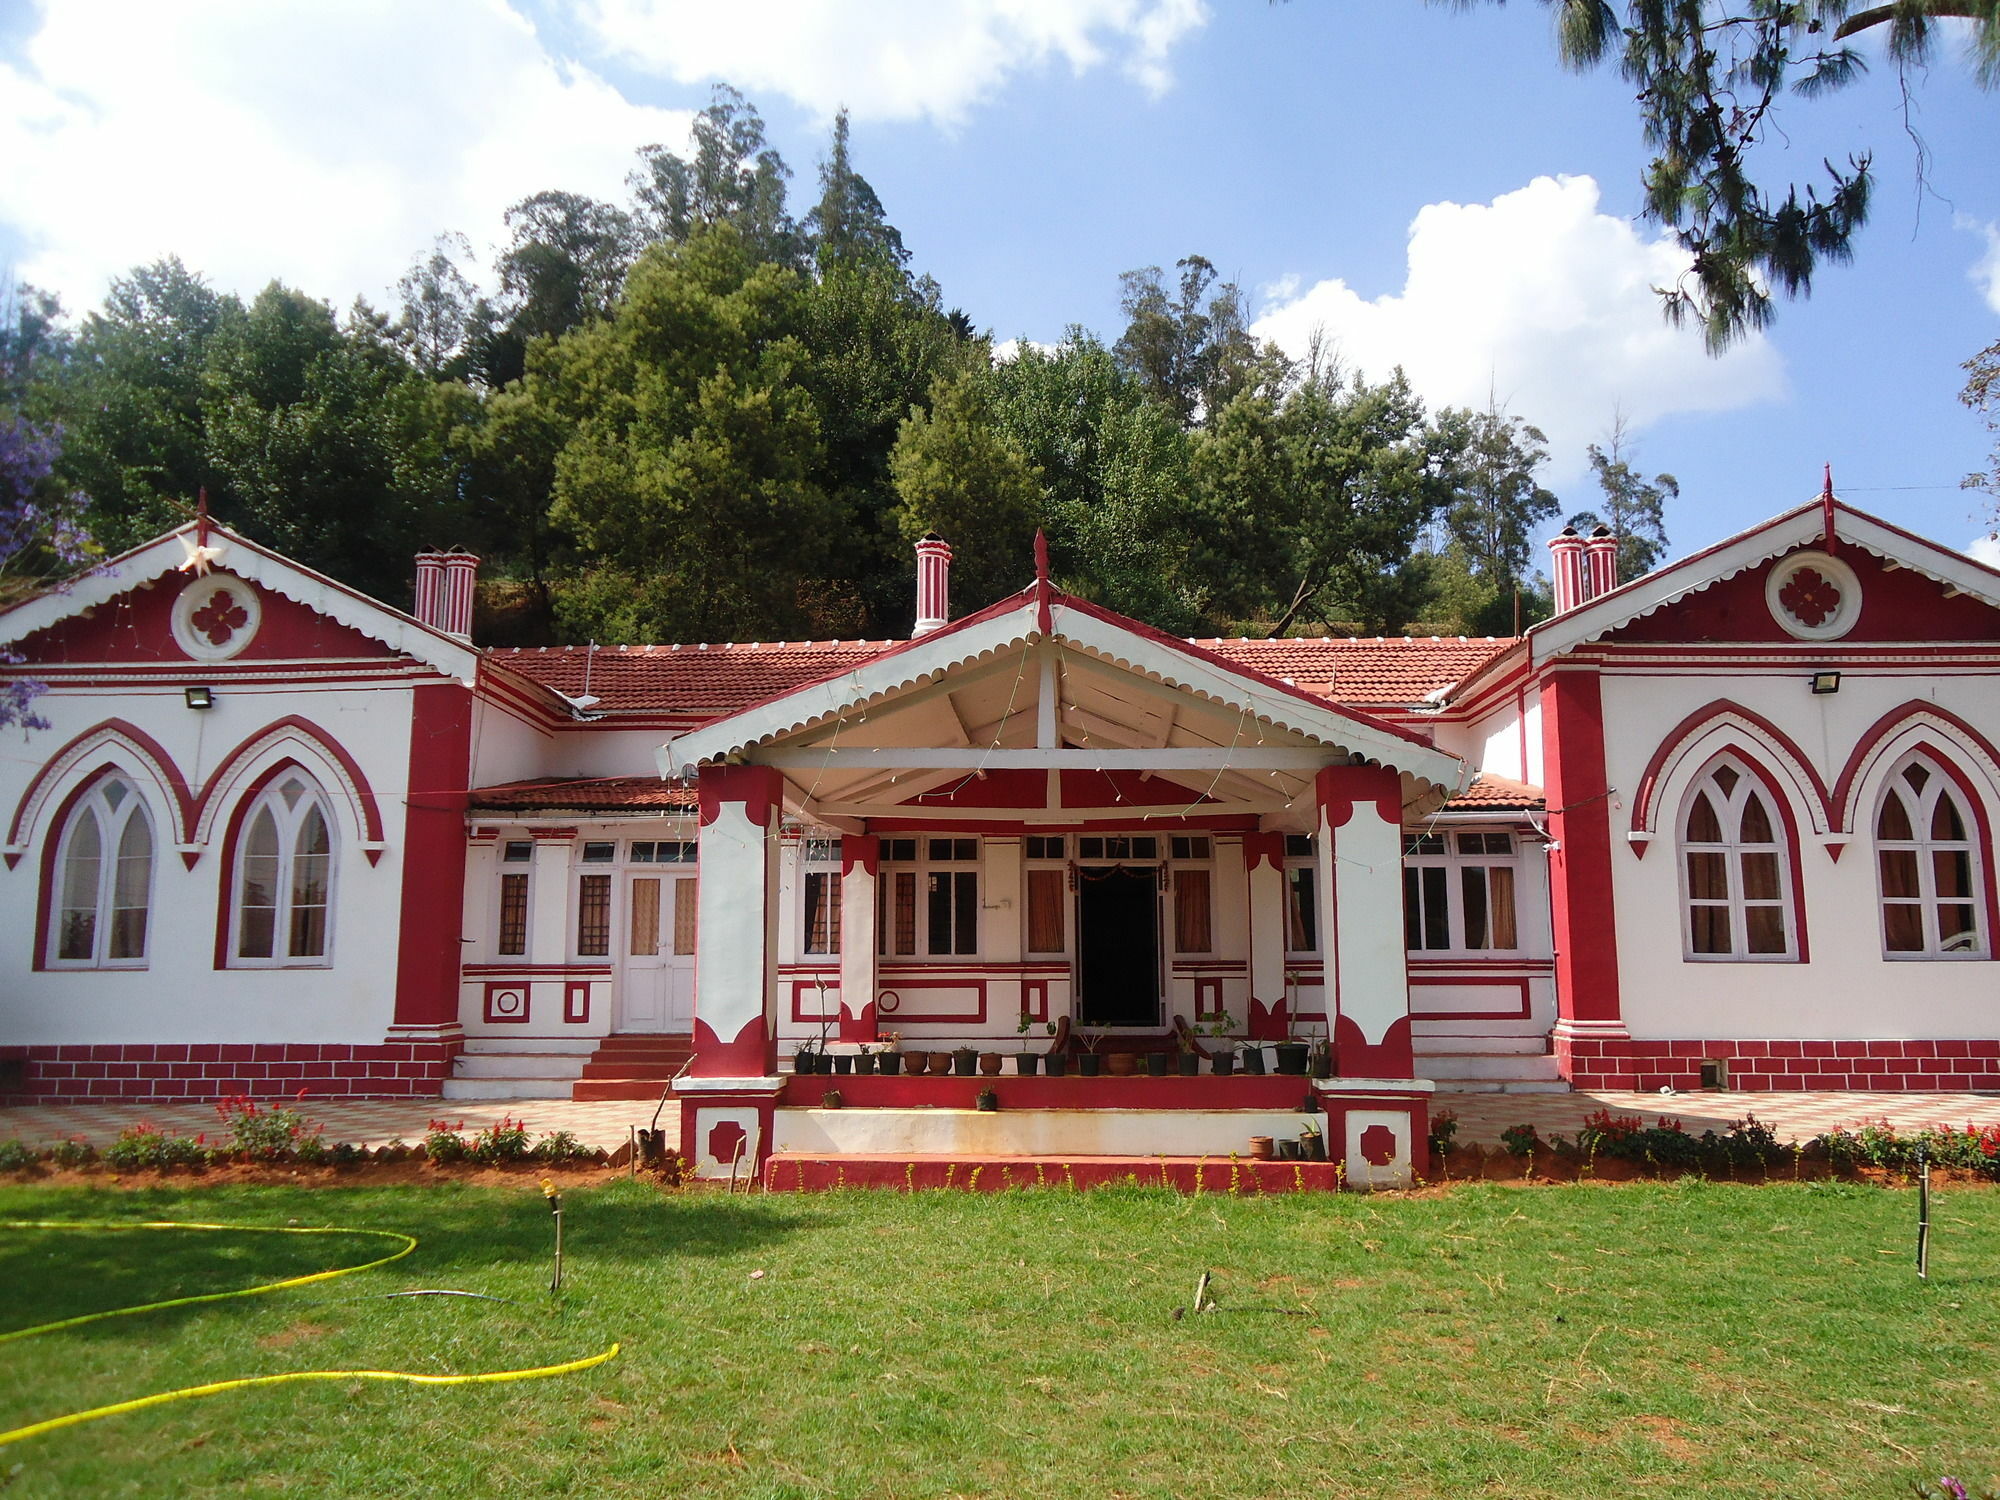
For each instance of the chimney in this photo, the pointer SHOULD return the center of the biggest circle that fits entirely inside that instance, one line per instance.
(444, 590)
(1567, 565)
(933, 584)
(1600, 562)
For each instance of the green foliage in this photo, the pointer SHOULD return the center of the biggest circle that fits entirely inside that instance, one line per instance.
(17, 1155)
(446, 1142)
(505, 1140)
(959, 475)
(1982, 394)
(1189, 348)
(1443, 1130)
(1493, 518)
(72, 1151)
(269, 1132)
(1975, 1148)
(1633, 507)
(558, 1146)
(1519, 1140)
(733, 177)
(145, 1148)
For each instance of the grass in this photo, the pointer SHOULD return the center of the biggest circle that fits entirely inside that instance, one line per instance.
(1683, 1339)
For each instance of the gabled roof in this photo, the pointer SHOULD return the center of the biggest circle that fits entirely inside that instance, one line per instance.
(1797, 528)
(691, 682)
(399, 631)
(584, 794)
(1042, 612)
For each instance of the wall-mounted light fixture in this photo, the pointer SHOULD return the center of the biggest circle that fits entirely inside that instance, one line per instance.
(1826, 682)
(202, 697)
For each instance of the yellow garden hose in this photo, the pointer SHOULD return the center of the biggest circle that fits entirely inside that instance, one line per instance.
(185, 1393)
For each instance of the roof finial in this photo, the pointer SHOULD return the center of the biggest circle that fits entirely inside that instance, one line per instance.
(1041, 556)
(1044, 615)
(1826, 511)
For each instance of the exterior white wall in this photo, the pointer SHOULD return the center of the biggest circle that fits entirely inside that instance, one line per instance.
(1848, 989)
(180, 995)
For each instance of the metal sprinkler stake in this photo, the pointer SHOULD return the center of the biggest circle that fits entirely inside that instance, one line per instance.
(555, 1207)
(1923, 1214)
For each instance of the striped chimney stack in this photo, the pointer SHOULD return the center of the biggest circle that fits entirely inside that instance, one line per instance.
(1583, 567)
(933, 584)
(444, 590)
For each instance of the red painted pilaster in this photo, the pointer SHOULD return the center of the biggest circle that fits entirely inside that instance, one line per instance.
(427, 952)
(1584, 915)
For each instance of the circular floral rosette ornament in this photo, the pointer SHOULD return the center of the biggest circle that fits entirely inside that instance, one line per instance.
(1813, 596)
(216, 617)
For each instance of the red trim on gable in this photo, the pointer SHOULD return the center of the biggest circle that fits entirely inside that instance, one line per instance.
(1643, 817)
(371, 816)
(1883, 728)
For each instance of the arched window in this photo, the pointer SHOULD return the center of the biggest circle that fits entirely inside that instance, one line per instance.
(104, 873)
(1736, 868)
(1924, 852)
(284, 876)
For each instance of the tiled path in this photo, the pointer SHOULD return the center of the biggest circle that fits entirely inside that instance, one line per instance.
(1481, 1116)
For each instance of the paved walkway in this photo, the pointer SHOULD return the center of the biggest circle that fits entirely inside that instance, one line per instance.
(1481, 1117)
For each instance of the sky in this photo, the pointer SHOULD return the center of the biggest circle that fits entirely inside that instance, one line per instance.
(1418, 185)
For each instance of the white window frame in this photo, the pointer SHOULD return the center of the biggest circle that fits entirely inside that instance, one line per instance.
(1046, 863)
(288, 821)
(924, 867)
(819, 854)
(1729, 807)
(1308, 862)
(1942, 784)
(524, 867)
(1453, 859)
(1175, 865)
(111, 825)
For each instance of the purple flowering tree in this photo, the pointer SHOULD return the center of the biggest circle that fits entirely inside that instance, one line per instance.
(33, 530)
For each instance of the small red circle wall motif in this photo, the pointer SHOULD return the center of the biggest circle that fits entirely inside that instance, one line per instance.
(1810, 598)
(220, 618)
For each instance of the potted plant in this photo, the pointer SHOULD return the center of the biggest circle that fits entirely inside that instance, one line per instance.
(1025, 1062)
(864, 1060)
(1320, 1064)
(889, 1054)
(1252, 1055)
(1291, 1052)
(1190, 1060)
(1087, 1061)
(1156, 1064)
(988, 1101)
(1055, 1064)
(1223, 1061)
(940, 1063)
(806, 1058)
(965, 1061)
(843, 1062)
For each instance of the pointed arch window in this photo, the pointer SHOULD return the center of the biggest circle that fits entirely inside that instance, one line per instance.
(104, 875)
(1926, 859)
(283, 886)
(1735, 869)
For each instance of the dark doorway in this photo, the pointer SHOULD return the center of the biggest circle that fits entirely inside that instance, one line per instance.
(1118, 946)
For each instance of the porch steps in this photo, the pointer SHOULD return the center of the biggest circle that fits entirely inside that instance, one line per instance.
(788, 1171)
(528, 1067)
(633, 1066)
(1492, 1072)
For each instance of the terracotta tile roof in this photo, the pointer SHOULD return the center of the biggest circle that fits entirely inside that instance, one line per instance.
(1497, 793)
(1381, 670)
(696, 682)
(705, 682)
(583, 794)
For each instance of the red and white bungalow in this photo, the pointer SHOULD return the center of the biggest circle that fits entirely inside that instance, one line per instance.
(1690, 830)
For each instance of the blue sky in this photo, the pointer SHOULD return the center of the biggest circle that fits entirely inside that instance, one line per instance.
(1422, 184)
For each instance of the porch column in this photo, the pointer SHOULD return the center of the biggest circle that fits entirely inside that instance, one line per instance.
(728, 1097)
(1264, 860)
(1361, 921)
(860, 859)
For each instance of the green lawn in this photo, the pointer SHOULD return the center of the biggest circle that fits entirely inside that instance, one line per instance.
(1681, 1339)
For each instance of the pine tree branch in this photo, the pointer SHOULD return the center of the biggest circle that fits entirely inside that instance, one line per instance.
(1876, 15)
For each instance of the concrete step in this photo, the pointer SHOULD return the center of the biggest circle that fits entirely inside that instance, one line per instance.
(506, 1046)
(1451, 1068)
(1448, 1086)
(619, 1088)
(518, 1065)
(1437, 1044)
(506, 1088)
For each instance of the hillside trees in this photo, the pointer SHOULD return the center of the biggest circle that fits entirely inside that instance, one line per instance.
(1633, 506)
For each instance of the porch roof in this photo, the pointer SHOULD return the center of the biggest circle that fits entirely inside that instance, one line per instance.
(584, 794)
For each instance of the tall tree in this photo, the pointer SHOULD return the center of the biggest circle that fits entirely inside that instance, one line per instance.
(1634, 507)
(1982, 394)
(440, 306)
(1712, 76)
(1189, 347)
(733, 176)
(849, 223)
(563, 266)
(959, 475)
(1494, 513)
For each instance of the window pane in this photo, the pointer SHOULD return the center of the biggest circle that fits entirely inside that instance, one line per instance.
(967, 915)
(518, 851)
(131, 888)
(1899, 872)
(1760, 877)
(1946, 825)
(1302, 931)
(1703, 826)
(593, 916)
(939, 914)
(1756, 822)
(257, 907)
(687, 913)
(1917, 776)
(1957, 932)
(599, 854)
(1472, 902)
(1708, 877)
(1894, 822)
(640, 854)
(1045, 911)
(257, 927)
(1041, 846)
(1298, 845)
(643, 928)
(311, 869)
(1437, 913)
(1501, 889)
(83, 868)
(514, 913)
(1709, 927)
(1726, 778)
(822, 915)
(1766, 928)
(1424, 843)
(1191, 918)
(900, 915)
(1903, 926)
(308, 932)
(1413, 913)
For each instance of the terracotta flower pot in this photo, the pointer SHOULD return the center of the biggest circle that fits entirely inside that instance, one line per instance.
(989, 1063)
(914, 1063)
(1122, 1064)
(1261, 1148)
(940, 1063)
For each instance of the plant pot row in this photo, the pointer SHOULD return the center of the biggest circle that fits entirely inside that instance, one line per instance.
(1294, 1059)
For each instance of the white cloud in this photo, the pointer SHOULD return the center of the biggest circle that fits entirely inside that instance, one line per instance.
(1984, 549)
(1541, 300)
(324, 142)
(1986, 270)
(891, 59)
(1008, 350)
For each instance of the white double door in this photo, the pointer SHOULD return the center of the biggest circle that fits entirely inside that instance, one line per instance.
(656, 988)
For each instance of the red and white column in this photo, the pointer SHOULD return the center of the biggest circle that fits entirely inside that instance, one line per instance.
(1589, 1016)
(1264, 860)
(1569, 570)
(860, 862)
(428, 951)
(732, 1085)
(933, 585)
